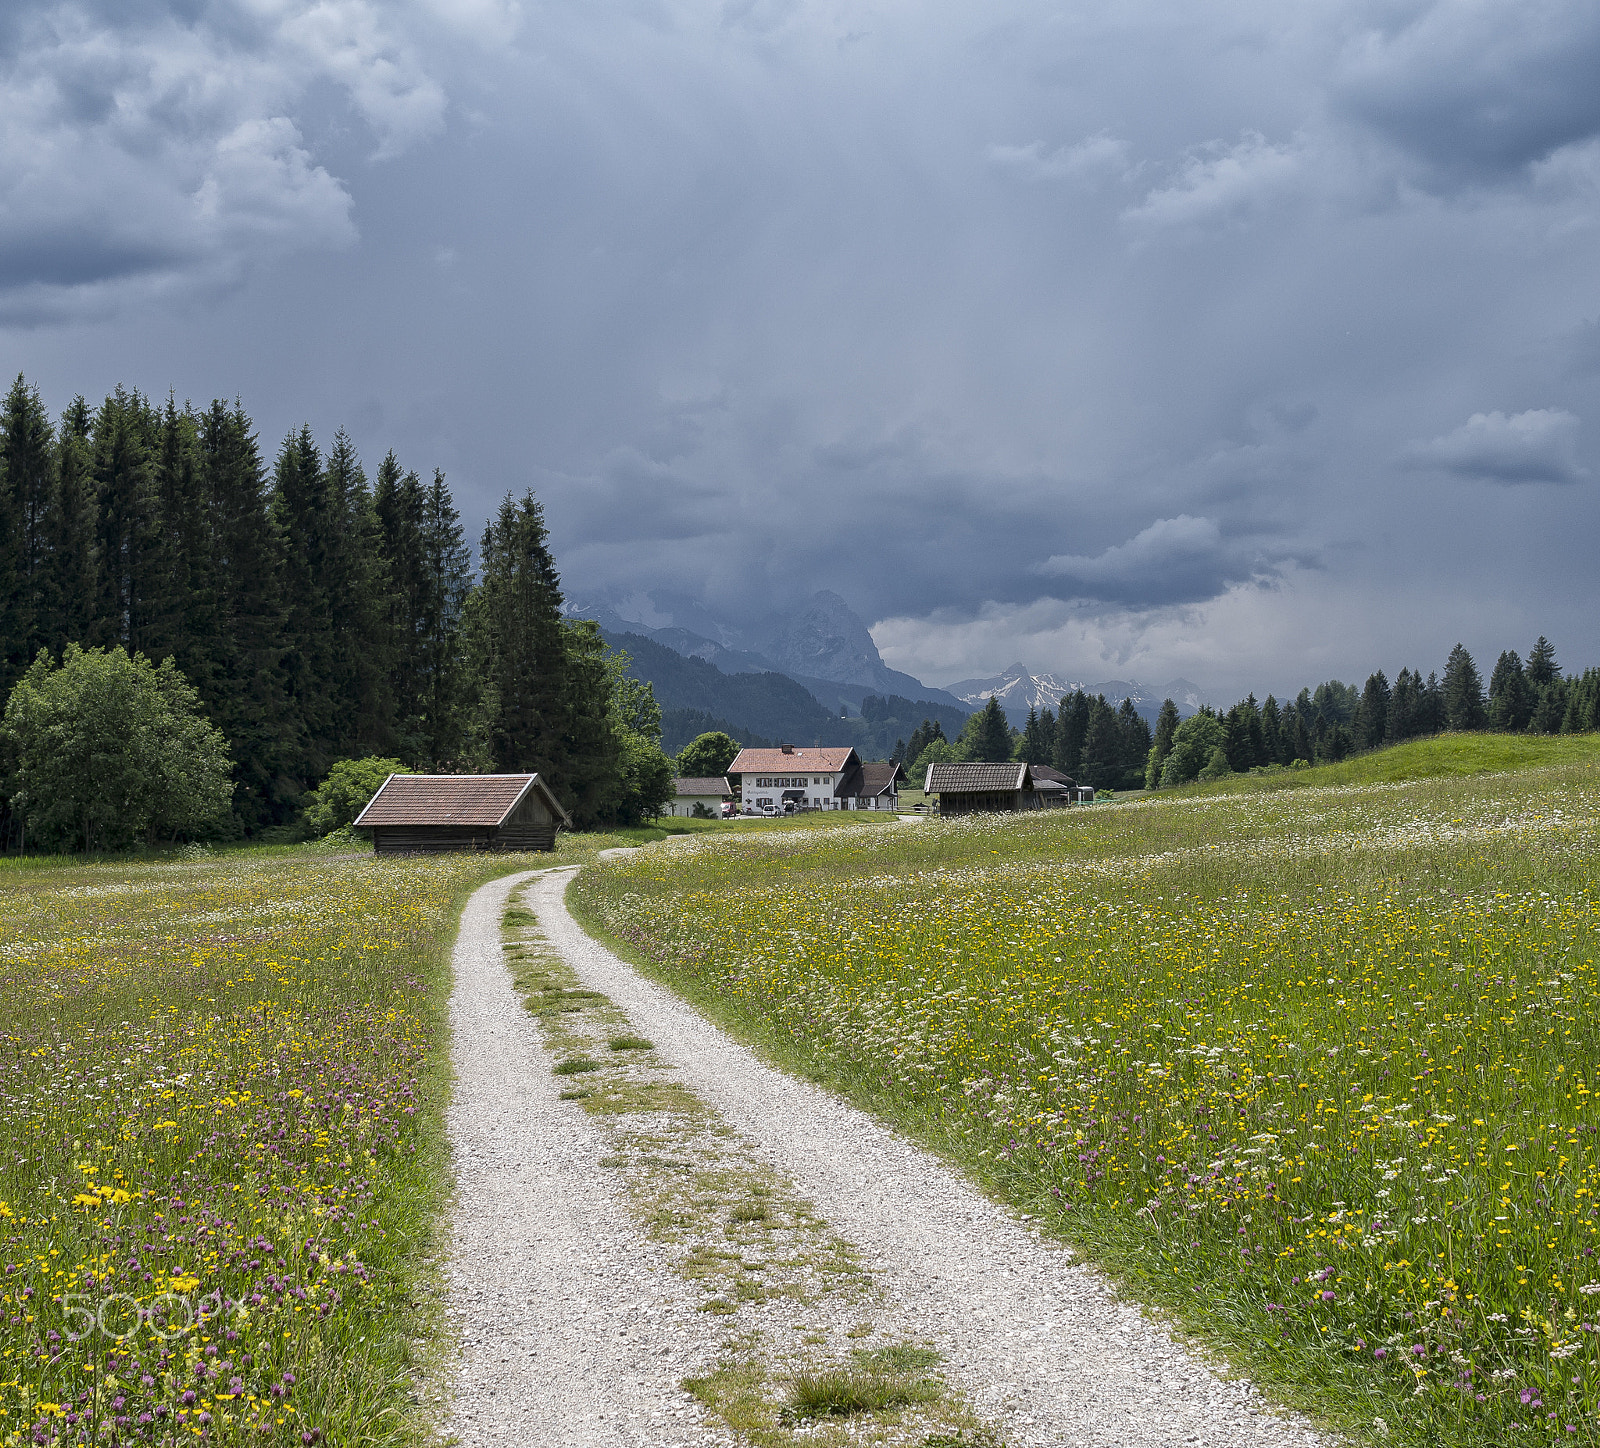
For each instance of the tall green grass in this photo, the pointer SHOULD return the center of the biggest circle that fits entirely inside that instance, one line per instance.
(1313, 1069)
(221, 1144)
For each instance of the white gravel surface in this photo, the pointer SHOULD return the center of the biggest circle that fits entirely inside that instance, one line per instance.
(1038, 1343)
(575, 1330)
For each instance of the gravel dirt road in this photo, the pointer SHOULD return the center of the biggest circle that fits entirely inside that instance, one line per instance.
(576, 1331)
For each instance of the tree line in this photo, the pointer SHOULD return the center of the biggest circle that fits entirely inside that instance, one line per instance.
(1112, 747)
(1090, 740)
(1336, 720)
(317, 614)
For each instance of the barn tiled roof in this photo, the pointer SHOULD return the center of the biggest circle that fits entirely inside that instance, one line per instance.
(713, 785)
(1042, 772)
(796, 761)
(976, 778)
(482, 800)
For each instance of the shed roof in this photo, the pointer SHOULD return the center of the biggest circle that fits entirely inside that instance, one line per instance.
(482, 800)
(793, 761)
(714, 784)
(977, 778)
(1042, 772)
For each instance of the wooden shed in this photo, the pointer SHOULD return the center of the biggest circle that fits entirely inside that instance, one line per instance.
(982, 788)
(418, 814)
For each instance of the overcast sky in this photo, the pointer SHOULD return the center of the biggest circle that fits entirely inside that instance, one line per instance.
(1248, 341)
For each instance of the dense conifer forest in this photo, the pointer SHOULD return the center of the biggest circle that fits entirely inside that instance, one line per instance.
(320, 614)
(1110, 748)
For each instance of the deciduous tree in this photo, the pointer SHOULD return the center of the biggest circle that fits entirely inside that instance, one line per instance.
(110, 750)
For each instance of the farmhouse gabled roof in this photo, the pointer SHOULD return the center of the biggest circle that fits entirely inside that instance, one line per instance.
(714, 784)
(484, 801)
(977, 778)
(794, 761)
(869, 779)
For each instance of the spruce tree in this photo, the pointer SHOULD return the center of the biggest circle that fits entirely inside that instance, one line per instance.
(68, 596)
(1463, 692)
(127, 538)
(1371, 725)
(1405, 708)
(1072, 725)
(1257, 730)
(1549, 708)
(921, 737)
(247, 694)
(1301, 746)
(1542, 666)
(1583, 704)
(988, 734)
(1031, 746)
(303, 517)
(397, 502)
(185, 623)
(1511, 700)
(1047, 735)
(446, 582)
(1100, 761)
(1161, 744)
(594, 741)
(356, 587)
(27, 458)
(518, 648)
(1236, 740)
(1430, 712)
(1133, 745)
(1272, 732)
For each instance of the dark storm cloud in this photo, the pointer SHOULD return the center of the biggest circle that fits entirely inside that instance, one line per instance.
(1538, 446)
(162, 139)
(1478, 91)
(1174, 560)
(1166, 339)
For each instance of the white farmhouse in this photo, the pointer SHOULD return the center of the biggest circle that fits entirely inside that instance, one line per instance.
(705, 795)
(808, 778)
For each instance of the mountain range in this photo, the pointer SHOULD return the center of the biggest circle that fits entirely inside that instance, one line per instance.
(802, 677)
(824, 645)
(1019, 690)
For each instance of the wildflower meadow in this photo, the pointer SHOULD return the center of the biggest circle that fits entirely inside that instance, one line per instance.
(1313, 1069)
(220, 1144)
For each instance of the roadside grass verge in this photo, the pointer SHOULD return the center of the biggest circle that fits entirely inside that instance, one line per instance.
(1311, 1069)
(222, 1144)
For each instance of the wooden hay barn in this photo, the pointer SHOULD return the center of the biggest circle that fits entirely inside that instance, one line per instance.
(420, 814)
(982, 788)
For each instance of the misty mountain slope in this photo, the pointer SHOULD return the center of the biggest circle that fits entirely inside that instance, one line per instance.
(825, 643)
(761, 709)
(770, 704)
(828, 640)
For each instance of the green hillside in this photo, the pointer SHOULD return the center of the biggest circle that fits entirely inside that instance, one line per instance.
(1444, 756)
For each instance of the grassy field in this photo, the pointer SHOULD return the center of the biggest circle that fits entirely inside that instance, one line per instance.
(221, 1143)
(1311, 1068)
